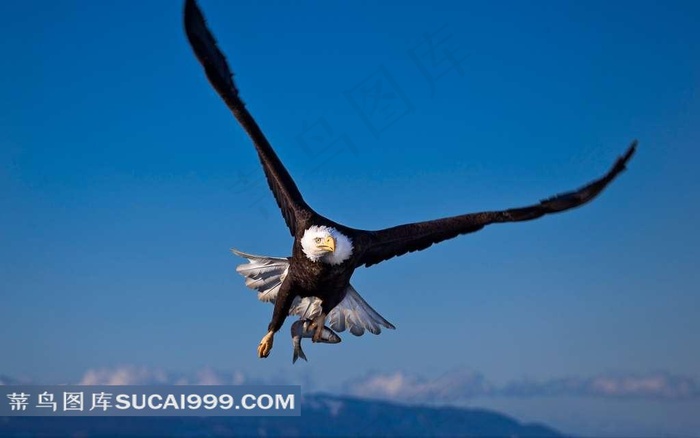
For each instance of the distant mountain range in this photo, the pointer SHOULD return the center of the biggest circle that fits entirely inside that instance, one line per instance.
(322, 415)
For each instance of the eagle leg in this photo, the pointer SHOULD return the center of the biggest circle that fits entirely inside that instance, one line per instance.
(283, 302)
(318, 324)
(266, 344)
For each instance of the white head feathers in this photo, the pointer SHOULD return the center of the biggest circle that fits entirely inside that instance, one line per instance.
(326, 244)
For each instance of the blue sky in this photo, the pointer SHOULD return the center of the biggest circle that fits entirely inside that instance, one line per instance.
(124, 181)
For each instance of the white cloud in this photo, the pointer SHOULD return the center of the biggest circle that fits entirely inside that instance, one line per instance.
(464, 385)
(650, 386)
(124, 375)
(399, 385)
(452, 387)
(133, 375)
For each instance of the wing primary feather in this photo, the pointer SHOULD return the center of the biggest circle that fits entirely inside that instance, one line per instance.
(399, 240)
(264, 274)
(285, 191)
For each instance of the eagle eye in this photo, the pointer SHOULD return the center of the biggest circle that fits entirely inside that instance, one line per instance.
(317, 240)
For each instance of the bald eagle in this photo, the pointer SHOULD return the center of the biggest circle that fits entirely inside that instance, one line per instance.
(325, 253)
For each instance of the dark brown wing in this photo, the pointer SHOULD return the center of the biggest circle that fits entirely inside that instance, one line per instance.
(286, 193)
(392, 242)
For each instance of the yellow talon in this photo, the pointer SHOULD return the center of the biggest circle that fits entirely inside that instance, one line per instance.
(265, 345)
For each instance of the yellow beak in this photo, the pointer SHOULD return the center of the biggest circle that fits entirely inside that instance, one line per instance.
(328, 244)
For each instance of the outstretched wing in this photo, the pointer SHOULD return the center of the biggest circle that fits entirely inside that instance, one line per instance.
(392, 242)
(286, 193)
(264, 274)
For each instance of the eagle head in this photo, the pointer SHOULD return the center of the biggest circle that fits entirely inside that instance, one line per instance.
(326, 244)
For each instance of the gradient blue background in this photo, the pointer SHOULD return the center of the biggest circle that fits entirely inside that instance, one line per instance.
(124, 181)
